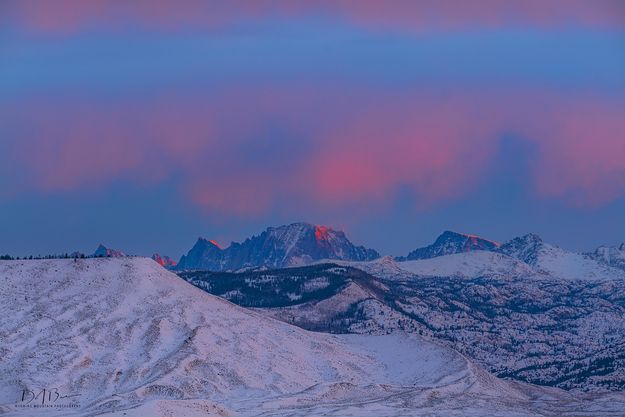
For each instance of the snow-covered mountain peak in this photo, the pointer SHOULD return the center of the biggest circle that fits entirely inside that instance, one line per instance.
(610, 256)
(560, 263)
(294, 244)
(604, 252)
(450, 242)
(291, 234)
(526, 248)
(527, 240)
(528, 256)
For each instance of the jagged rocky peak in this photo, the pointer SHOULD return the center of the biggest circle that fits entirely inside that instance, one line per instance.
(205, 254)
(164, 261)
(104, 252)
(289, 245)
(301, 233)
(603, 252)
(449, 243)
(307, 242)
(206, 243)
(609, 255)
(525, 248)
(298, 231)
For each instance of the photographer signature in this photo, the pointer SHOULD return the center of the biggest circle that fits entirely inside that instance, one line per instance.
(44, 396)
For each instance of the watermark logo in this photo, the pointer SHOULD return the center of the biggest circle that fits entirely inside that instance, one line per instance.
(47, 398)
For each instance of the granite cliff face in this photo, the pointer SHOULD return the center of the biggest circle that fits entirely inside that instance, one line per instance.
(277, 247)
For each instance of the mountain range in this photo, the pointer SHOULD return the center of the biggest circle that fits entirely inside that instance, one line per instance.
(526, 310)
(472, 294)
(300, 244)
(125, 337)
(465, 323)
(277, 247)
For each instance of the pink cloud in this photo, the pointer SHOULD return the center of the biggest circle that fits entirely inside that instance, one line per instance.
(84, 145)
(70, 16)
(581, 155)
(334, 148)
(438, 148)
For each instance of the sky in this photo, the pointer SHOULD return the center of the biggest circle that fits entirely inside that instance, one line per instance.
(146, 124)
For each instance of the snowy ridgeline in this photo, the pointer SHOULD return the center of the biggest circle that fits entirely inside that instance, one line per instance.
(122, 336)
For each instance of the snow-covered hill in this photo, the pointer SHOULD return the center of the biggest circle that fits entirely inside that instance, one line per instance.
(118, 332)
(103, 336)
(290, 245)
(467, 265)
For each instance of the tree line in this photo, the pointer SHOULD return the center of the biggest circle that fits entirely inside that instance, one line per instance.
(8, 257)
